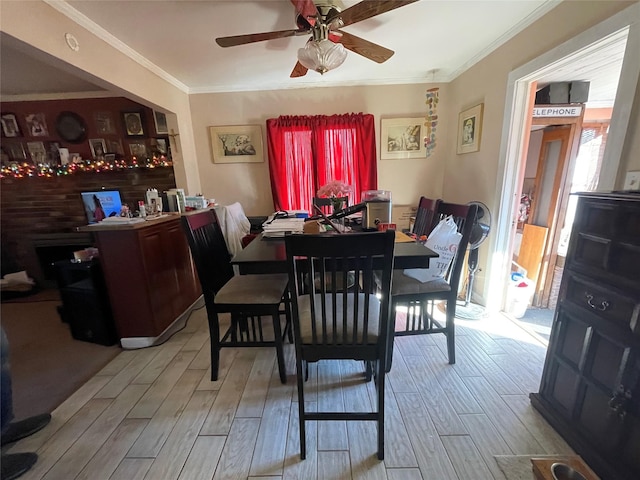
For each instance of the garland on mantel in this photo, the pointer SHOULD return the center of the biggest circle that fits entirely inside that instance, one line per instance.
(28, 169)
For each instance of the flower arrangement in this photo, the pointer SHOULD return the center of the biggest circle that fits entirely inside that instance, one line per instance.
(334, 190)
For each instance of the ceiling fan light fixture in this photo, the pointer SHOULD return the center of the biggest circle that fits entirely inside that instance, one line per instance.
(322, 55)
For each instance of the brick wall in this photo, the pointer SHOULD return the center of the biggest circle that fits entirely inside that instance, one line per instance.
(33, 207)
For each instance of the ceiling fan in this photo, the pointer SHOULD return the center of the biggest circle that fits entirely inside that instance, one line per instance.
(325, 50)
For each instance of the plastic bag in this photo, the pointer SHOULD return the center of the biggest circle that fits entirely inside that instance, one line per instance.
(444, 240)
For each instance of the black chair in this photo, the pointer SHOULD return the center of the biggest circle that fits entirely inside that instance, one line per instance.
(335, 324)
(425, 214)
(420, 298)
(246, 297)
(326, 203)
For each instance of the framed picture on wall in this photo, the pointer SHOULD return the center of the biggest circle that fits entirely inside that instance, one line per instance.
(402, 138)
(104, 123)
(37, 125)
(115, 146)
(133, 124)
(470, 129)
(160, 120)
(10, 126)
(236, 144)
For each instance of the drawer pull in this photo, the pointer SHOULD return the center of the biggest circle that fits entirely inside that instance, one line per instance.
(603, 305)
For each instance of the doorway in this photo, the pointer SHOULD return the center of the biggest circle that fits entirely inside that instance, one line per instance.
(586, 49)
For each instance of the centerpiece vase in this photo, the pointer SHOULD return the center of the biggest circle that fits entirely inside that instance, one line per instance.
(338, 205)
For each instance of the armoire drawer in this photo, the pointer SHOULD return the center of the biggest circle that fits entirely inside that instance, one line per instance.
(607, 303)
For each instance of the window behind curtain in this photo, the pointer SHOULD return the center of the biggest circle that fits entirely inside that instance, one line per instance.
(306, 152)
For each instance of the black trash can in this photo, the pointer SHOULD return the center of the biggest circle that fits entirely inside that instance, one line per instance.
(88, 314)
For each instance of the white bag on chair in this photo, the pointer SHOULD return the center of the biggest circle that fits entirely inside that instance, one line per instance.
(444, 240)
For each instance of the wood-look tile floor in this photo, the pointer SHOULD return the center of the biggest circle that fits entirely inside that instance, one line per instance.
(154, 414)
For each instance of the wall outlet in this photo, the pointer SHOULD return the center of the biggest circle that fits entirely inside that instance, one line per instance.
(632, 180)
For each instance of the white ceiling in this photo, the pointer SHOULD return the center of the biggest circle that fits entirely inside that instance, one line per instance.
(433, 40)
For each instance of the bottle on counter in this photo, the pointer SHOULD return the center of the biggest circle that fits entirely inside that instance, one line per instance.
(142, 209)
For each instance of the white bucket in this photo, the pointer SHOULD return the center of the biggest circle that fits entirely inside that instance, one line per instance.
(519, 295)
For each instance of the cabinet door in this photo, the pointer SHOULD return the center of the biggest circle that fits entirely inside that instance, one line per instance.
(592, 381)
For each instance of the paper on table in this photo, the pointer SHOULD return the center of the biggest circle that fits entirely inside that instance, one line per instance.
(279, 226)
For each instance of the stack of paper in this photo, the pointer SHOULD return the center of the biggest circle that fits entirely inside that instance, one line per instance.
(280, 226)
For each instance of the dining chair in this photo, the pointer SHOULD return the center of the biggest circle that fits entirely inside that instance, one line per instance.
(425, 214)
(339, 324)
(420, 298)
(326, 203)
(247, 298)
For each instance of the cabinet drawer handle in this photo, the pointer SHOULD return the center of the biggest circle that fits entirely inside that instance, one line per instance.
(603, 305)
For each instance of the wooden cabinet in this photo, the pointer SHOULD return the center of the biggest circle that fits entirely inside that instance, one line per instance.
(590, 388)
(150, 276)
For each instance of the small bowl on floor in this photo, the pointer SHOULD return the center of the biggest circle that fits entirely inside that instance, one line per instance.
(562, 471)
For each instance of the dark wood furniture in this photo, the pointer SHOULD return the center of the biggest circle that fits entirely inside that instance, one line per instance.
(268, 255)
(334, 323)
(149, 275)
(590, 388)
(247, 298)
(420, 298)
(85, 303)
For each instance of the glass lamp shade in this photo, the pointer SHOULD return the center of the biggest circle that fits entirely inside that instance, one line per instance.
(322, 55)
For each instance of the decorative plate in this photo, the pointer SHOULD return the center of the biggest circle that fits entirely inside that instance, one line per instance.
(71, 127)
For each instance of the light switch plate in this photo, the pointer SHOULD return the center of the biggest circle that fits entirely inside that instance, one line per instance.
(632, 180)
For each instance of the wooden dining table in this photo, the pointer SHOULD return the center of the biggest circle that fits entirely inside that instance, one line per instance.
(268, 255)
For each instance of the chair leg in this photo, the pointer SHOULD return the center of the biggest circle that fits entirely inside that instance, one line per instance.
(380, 380)
(277, 336)
(301, 410)
(391, 333)
(451, 331)
(214, 342)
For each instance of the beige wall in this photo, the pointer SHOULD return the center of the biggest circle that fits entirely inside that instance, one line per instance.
(248, 183)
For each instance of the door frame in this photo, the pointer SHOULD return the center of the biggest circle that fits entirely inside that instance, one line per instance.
(516, 122)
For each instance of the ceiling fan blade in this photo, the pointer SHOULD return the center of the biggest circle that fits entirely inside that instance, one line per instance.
(299, 70)
(367, 9)
(363, 47)
(258, 37)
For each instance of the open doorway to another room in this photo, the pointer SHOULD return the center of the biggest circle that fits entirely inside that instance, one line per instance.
(545, 217)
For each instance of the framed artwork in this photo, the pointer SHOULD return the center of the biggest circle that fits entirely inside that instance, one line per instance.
(133, 124)
(160, 145)
(98, 147)
(10, 126)
(37, 125)
(37, 151)
(71, 127)
(15, 150)
(115, 146)
(470, 129)
(160, 120)
(104, 123)
(402, 138)
(236, 144)
(138, 149)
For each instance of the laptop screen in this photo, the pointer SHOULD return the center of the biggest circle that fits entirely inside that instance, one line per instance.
(101, 204)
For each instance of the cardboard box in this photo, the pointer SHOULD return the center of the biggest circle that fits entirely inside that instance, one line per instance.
(401, 215)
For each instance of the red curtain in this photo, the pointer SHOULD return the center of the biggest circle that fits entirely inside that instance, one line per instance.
(306, 152)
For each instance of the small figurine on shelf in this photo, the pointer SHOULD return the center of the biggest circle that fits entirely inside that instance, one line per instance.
(125, 211)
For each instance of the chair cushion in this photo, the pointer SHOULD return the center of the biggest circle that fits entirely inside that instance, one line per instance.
(304, 312)
(253, 289)
(403, 285)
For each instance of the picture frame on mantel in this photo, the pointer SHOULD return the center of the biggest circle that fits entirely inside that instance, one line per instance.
(236, 144)
(470, 129)
(401, 138)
